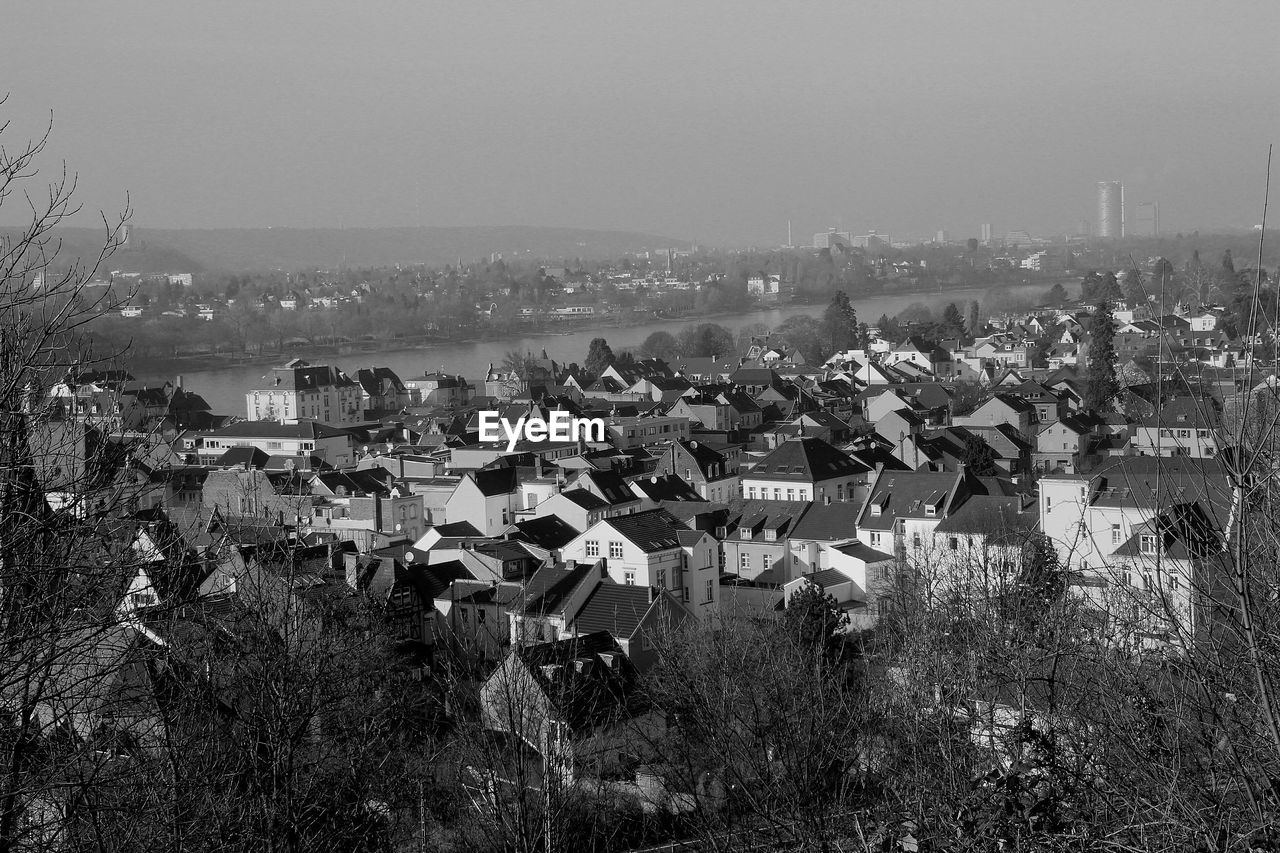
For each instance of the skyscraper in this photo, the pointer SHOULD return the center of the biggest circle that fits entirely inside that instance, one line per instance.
(1110, 210)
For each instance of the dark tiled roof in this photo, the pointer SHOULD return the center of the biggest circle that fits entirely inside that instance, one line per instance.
(545, 591)
(615, 608)
(430, 581)
(826, 522)
(495, 481)
(548, 532)
(654, 530)
(587, 697)
(303, 429)
(806, 460)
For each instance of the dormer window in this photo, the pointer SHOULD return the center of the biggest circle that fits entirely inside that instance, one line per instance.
(1147, 543)
(771, 535)
(744, 532)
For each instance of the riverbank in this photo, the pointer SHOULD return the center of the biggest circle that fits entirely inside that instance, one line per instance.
(224, 381)
(870, 307)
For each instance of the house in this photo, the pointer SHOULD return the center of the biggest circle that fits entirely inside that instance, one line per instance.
(705, 469)
(818, 528)
(1010, 450)
(302, 390)
(1002, 408)
(487, 498)
(755, 547)
(804, 469)
(574, 702)
(365, 508)
(381, 390)
(1049, 405)
(440, 390)
(1064, 444)
(1138, 531)
(955, 533)
(635, 616)
(849, 597)
(1182, 426)
(872, 575)
(301, 438)
(283, 499)
(644, 549)
(923, 354)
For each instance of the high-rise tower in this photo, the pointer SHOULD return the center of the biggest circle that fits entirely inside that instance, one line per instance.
(1110, 209)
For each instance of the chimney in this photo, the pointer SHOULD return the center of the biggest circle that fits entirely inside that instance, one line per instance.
(178, 383)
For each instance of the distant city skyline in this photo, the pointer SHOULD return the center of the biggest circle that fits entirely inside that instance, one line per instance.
(696, 121)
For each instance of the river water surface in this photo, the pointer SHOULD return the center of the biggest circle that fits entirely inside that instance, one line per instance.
(225, 387)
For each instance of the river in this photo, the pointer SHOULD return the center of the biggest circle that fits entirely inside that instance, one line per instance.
(224, 388)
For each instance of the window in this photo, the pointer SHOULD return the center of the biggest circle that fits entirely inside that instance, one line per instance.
(751, 493)
(593, 548)
(1115, 534)
(662, 579)
(915, 540)
(840, 491)
(875, 538)
(686, 593)
(953, 543)
(480, 615)
(744, 561)
(711, 591)
(1147, 543)
(791, 494)
(629, 578)
(615, 550)
(777, 494)
(462, 611)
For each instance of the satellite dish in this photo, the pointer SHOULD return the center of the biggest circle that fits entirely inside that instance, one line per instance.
(410, 556)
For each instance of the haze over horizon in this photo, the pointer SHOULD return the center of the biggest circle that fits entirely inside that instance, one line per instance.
(708, 122)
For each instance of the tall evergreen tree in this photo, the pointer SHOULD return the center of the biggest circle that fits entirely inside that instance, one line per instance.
(839, 323)
(599, 356)
(1101, 387)
(952, 321)
(972, 318)
(1134, 291)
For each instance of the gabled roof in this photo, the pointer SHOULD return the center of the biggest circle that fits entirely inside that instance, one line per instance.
(587, 500)
(549, 532)
(668, 487)
(303, 429)
(593, 695)
(654, 530)
(495, 481)
(827, 522)
(243, 457)
(546, 589)
(430, 581)
(806, 460)
(615, 608)
(608, 485)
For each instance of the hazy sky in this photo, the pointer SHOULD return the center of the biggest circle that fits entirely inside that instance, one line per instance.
(714, 121)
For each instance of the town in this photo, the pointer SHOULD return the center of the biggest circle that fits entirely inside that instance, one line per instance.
(536, 595)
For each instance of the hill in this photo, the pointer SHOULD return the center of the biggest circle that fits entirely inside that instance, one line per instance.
(300, 248)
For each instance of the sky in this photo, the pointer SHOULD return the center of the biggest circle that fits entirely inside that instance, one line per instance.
(714, 122)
